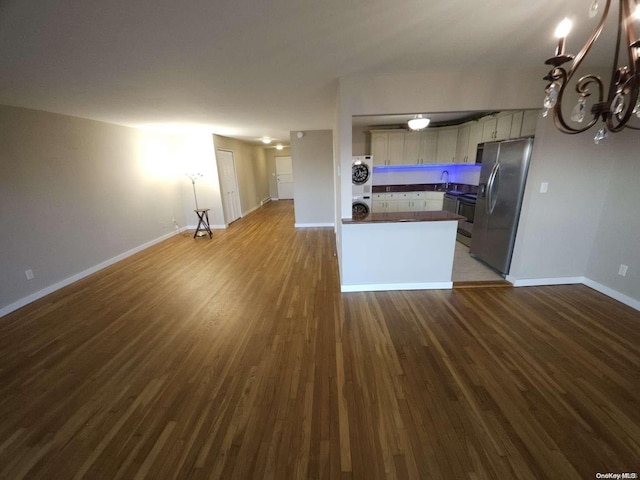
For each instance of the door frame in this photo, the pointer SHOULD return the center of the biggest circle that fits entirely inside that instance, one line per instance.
(292, 175)
(236, 196)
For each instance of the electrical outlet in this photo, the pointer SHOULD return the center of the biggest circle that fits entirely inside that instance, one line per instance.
(544, 186)
(623, 270)
(29, 274)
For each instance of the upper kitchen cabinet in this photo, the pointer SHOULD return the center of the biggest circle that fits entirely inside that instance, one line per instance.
(507, 125)
(529, 121)
(496, 128)
(447, 145)
(428, 146)
(387, 148)
(420, 147)
(412, 154)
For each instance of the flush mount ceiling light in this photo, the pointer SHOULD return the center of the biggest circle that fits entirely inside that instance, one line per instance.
(279, 147)
(418, 122)
(619, 103)
(266, 140)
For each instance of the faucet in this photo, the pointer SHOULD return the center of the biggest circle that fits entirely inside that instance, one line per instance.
(446, 185)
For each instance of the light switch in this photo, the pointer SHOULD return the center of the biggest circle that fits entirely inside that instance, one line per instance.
(544, 186)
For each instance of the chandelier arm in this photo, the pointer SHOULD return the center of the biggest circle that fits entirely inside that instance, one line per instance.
(616, 122)
(587, 46)
(623, 79)
(559, 74)
(631, 39)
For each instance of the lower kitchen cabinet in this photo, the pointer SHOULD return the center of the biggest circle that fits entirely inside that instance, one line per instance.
(384, 202)
(434, 200)
(406, 202)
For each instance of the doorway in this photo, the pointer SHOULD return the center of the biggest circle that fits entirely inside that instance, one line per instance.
(284, 174)
(228, 186)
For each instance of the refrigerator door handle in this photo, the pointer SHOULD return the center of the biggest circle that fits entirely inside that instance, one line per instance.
(491, 200)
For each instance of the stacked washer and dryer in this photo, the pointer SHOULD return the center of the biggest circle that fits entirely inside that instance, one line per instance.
(362, 181)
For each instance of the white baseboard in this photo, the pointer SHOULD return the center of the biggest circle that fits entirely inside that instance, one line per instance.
(381, 287)
(85, 273)
(539, 282)
(265, 200)
(609, 292)
(314, 225)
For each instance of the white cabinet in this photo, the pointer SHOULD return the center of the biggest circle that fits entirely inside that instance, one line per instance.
(509, 125)
(529, 121)
(516, 124)
(384, 202)
(475, 138)
(433, 200)
(411, 202)
(469, 136)
(406, 201)
(412, 141)
(462, 147)
(447, 144)
(428, 146)
(420, 147)
(496, 128)
(387, 148)
(444, 145)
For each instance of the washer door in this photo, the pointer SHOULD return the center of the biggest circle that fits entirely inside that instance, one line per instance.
(359, 210)
(359, 173)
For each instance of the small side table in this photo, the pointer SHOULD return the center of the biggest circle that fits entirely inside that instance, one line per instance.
(203, 222)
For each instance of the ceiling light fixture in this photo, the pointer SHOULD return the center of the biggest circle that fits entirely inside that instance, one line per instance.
(616, 106)
(418, 122)
(279, 147)
(266, 140)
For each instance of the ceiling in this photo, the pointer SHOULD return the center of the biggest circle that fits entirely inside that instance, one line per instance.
(246, 68)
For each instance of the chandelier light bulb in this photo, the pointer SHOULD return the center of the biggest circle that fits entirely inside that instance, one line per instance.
(563, 28)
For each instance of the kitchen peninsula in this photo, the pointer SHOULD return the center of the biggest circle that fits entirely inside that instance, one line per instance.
(399, 251)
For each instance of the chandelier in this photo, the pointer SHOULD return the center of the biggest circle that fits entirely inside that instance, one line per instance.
(615, 106)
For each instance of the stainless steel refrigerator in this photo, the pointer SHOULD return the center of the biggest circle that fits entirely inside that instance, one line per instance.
(502, 179)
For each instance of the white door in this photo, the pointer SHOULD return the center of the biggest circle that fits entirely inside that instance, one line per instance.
(228, 186)
(284, 172)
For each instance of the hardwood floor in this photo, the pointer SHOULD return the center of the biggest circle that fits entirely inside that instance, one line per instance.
(238, 357)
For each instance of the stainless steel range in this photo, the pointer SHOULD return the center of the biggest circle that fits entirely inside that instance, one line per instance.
(463, 204)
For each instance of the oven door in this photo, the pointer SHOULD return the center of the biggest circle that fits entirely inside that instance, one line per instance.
(466, 208)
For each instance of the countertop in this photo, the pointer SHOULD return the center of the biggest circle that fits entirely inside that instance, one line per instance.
(402, 217)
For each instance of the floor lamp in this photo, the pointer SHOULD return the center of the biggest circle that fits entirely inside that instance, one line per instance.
(201, 215)
(193, 177)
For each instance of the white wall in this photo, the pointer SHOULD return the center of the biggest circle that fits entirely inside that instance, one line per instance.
(617, 239)
(77, 193)
(312, 157)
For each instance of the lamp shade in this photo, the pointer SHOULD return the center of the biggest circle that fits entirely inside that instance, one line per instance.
(418, 122)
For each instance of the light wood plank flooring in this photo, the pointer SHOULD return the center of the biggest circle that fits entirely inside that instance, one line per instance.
(238, 357)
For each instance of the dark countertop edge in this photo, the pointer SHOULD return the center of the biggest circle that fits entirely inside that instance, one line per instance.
(406, 217)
